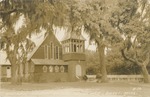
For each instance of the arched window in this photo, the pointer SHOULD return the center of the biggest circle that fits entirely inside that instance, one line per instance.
(51, 51)
(78, 49)
(57, 52)
(8, 72)
(75, 49)
(50, 68)
(56, 68)
(8, 67)
(62, 69)
(67, 48)
(81, 48)
(44, 68)
(46, 51)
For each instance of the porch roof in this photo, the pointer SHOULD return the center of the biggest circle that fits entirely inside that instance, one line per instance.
(48, 62)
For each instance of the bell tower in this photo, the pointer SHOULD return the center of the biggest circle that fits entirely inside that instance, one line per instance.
(73, 45)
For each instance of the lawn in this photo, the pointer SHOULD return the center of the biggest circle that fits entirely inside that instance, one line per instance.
(76, 89)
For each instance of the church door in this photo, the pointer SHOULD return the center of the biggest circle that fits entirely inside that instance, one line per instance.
(78, 70)
(8, 71)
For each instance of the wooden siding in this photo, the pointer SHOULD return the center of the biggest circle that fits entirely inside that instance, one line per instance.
(50, 77)
(74, 56)
(39, 53)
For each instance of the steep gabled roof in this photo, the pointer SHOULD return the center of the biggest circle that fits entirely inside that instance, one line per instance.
(40, 43)
(36, 48)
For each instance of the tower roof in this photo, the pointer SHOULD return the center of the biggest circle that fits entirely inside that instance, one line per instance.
(70, 35)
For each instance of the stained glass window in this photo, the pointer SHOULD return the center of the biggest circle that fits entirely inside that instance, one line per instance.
(62, 69)
(50, 68)
(44, 68)
(56, 68)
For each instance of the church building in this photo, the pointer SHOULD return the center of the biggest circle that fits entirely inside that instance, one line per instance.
(53, 61)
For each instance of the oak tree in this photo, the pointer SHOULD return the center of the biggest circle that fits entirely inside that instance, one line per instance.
(37, 15)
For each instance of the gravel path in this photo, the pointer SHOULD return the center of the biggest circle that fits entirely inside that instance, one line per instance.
(76, 90)
(56, 93)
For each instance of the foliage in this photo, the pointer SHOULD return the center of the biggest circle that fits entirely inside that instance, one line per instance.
(91, 58)
(102, 20)
(37, 15)
(116, 64)
(92, 61)
(136, 43)
(108, 23)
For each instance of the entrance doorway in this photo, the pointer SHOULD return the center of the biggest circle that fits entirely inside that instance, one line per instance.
(8, 72)
(78, 70)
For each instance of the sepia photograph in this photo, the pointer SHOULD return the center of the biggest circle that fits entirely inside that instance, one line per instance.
(74, 48)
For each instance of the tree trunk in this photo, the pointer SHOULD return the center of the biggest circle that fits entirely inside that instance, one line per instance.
(145, 74)
(14, 74)
(101, 50)
(14, 68)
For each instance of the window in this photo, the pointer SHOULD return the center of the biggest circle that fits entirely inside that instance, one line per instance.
(60, 53)
(52, 51)
(44, 68)
(8, 72)
(57, 52)
(8, 67)
(81, 48)
(78, 49)
(75, 50)
(72, 47)
(46, 51)
(65, 68)
(56, 68)
(62, 69)
(50, 68)
(66, 49)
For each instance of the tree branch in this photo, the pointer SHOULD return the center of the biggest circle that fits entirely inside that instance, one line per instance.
(10, 11)
(147, 60)
(99, 40)
(126, 57)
